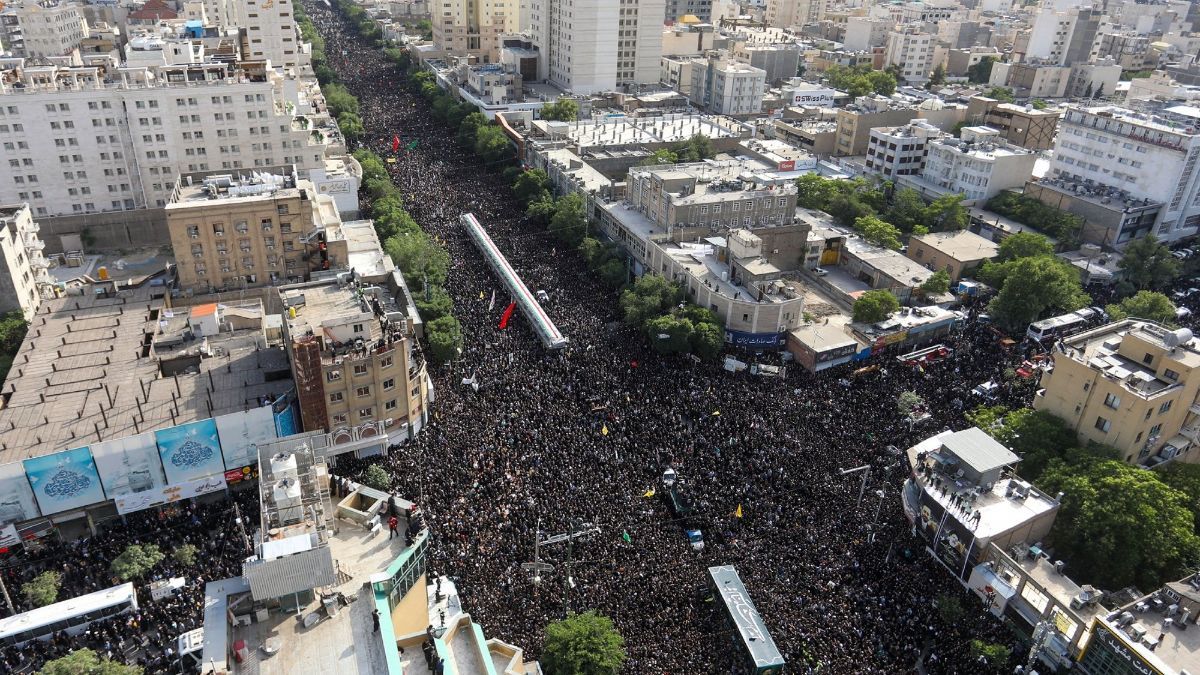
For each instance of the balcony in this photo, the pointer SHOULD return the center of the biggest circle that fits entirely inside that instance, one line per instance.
(1194, 409)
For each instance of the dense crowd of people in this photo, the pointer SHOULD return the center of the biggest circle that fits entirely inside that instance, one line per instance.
(553, 440)
(148, 636)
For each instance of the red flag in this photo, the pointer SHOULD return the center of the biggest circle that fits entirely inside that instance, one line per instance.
(507, 315)
(395, 143)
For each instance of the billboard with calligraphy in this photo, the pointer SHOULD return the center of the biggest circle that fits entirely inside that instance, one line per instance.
(16, 497)
(129, 465)
(65, 480)
(190, 451)
(242, 433)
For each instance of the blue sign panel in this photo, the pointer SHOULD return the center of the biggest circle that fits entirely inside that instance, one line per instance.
(65, 480)
(747, 340)
(190, 451)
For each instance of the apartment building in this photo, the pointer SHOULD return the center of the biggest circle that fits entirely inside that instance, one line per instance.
(1065, 37)
(1025, 126)
(1129, 385)
(1145, 157)
(789, 13)
(272, 33)
(855, 121)
(780, 61)
(699, 195)
(352, 341)
(675, 10)
(911, 49)
(42, 29)
(576, 40)
(92, 139)
(23, 275)
(728, 87)
(471, 28)
(231, 232)
(864, 33)
(977, 166)
(899, 151)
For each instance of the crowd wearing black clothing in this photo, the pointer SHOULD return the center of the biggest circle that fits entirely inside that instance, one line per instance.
(147, 636)
(552, 439)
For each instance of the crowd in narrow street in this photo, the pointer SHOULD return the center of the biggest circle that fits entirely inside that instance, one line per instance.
(552, 439)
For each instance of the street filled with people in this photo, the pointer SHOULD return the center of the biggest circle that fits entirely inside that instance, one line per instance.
(554, 442)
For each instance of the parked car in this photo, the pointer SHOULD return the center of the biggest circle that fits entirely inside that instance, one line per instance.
(820, 271)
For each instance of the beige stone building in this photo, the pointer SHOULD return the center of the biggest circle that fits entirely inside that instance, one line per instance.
(230, 232)
(23, 268)
(1130, 385)
(353, 347)
(959, 253)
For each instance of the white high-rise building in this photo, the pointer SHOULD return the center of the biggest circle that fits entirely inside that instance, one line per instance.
(23, 268)
(474, 27)
(576, 40)
(88, 139)
(272, 33)
(43, 29)
(728, 87)
(1066, 37)
(911, 49)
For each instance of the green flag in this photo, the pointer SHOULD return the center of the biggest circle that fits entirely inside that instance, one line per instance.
(626, 537)
(413, 145)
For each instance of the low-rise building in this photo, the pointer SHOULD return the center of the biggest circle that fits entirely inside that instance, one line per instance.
(856, 121)
(1025, 126)
(1130, 385)
(728, 87)
(1149, 636)
(962, 496)
(977, 166)
(899, 151)
(959, 253)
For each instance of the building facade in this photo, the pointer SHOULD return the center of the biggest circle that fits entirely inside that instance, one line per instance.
(899, 151)
(959, 253)
(470, 28)
(43, 29)
(911, 49)
(23, 275)
(728, 87)
(978, 166)
(576, 41)
(272, 33)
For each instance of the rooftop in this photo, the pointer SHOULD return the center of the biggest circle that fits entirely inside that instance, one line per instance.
(641, 130)
(231, 188)
(961, 245)
(351, 318)
(91, 369)
(1142, 625)
(999, 513)
(1100, 348)
(978, 450)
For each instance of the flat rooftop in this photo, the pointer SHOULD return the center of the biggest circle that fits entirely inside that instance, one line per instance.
(1174, 649)
(642, 130)
(998, 513)
(230, 188)
(1099, 349)
(87, 372)
(962, 245)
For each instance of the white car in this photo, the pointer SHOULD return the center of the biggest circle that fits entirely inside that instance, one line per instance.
(820, 271)
(986, 390)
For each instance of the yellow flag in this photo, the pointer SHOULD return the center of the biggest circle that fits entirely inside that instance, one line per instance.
(480, 295)
(649, 493)
(738, 513)
(716, 413)
(604, 430)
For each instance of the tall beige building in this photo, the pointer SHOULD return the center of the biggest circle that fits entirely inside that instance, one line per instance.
(788, 13)
(231, 233)
(474, 27)
(23, 268)
(1130, 385)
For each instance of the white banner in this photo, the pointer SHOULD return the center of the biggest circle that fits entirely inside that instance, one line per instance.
(171, 493)
(8, 536)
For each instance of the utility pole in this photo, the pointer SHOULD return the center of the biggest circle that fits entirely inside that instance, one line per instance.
(7, 600)
(237, 517)
(866, 471)
(537, 566)
(577, 530)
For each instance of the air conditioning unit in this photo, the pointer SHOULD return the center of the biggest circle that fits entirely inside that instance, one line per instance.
(197, 256)
(270, 248)
(389, 422)
(195, 235)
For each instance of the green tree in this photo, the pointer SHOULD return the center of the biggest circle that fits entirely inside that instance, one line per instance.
(443, 338)
(947, 213)
(907, 211)
(698, 315)
(861, 80)
(531, 185)
(1003, 94)
(351, 126)
(950, 609)
(1037, 436)
(1039, 104)
(339, 100)
(1148, 264)
(909, 403)
(648, 297)
(878, 232)
(86, 662)
(186, 554)
(660, 156)
(981, 72)
(433, 303)
(372, 166)
(419, 258)
(583, 644)
(562, 110)
(937, 284)
(612, 272)
(1113, 515)
(12, 333)
(695, 149)
(542, 209)
(815, 192)
(938, 77)
(669, 334)
(1024, 245)
(569, 223)
(135, 561)
(875, 306)
(995, 656)
(376, 477)
(491, 144)
(1186, 479)
(1031, 287)
(469, 127)
(1145, 305)
(43, 589)
(707, 340)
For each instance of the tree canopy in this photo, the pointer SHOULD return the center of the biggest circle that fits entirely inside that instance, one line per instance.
(43, 589)
(1037, 436)
(562, 110)
(875, 306)
(1062, 226)
(583, 644)
(531, 185)
(86, 662)
(981, 72)
(1148, 264)
(860, 80)
(1144, 305)
(695, 149)
(649, 296)
(569, 222)
(878, 232)
(1031, 287)
(937, 284)
(1023, 245)
(135, 561)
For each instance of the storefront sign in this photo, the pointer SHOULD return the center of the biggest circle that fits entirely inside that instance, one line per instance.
(238, 475)
(748, 340)
(171, 493)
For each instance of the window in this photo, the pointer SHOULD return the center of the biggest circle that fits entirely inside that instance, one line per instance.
(389, 384)
(358, 328)
(390, 405)
(1113, 401)
(333, 375)
(360, 369)
(1103, 424)
(362, 392)
(365, 413)
(1164, 407)
(335, 397)
(1171, 375)
(1148, 359)
(385, 362)
(1155, 430)
(340, 418)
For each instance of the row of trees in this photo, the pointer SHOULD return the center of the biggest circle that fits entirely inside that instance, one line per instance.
(695, 149)
(1030, 212)
(1112, 512)
(880, 213)
(657, 308)
(861, 80)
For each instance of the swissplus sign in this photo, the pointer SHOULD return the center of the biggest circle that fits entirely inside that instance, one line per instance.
(171, 493)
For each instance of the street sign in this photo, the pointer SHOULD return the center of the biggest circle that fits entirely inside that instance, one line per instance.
(537, 567)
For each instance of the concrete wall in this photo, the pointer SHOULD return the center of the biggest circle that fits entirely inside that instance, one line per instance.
(108, 231)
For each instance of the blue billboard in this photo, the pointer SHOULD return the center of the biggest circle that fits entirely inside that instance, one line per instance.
(65, 480)
(190, 451)
(747, 340)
